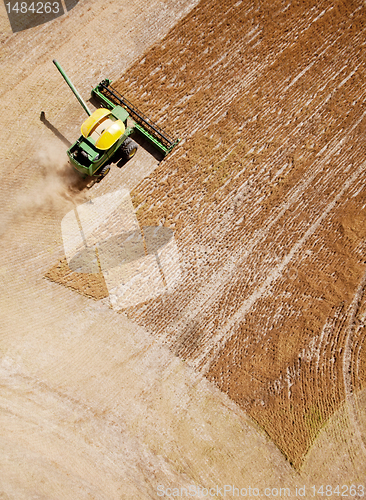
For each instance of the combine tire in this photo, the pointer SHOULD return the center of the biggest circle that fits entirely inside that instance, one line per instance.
(129, 148)
(105, 170)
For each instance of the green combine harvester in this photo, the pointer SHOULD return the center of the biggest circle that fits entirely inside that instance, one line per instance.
(105, 136)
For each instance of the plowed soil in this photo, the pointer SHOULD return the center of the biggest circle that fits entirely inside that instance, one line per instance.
(252, 371)
(267, 197)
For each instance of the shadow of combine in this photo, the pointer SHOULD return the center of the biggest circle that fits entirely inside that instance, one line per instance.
(75, 182)
(54, 129)
(147, 146)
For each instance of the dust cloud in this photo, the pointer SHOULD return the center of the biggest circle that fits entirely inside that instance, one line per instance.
(55, 187)
(58, 184)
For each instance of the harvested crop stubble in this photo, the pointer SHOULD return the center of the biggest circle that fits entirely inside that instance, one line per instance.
(267, 199)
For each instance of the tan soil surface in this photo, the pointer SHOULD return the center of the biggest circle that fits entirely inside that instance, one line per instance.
(266, 196)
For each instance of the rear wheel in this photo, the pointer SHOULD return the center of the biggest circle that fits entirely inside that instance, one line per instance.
(129, 149)
(105, 170)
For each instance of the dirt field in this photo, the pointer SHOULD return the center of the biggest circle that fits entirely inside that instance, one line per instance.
(252, 372)
(268, 200)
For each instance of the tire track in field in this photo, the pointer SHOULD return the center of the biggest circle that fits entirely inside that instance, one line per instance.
(211, 291)
(225, 333)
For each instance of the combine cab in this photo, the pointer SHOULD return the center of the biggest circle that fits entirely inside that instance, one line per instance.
(105, 136)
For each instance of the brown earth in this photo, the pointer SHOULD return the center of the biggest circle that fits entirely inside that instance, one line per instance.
(266, 196)
(88, 284)
(267, 141)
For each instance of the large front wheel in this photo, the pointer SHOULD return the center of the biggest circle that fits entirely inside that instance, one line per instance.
(129, 149)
